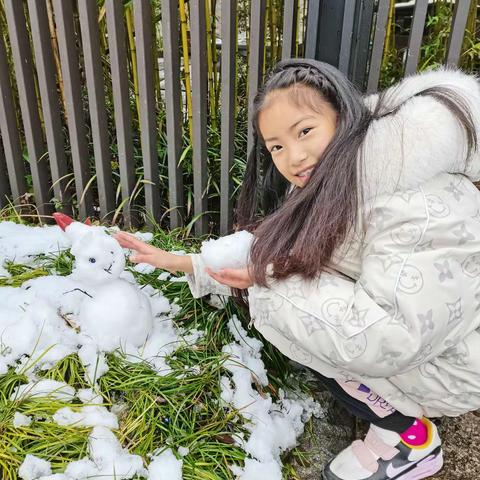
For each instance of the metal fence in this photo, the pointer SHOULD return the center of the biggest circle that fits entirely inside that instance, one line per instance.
(33, 85)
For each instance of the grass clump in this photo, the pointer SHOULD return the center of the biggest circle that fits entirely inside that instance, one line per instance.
(179, 409)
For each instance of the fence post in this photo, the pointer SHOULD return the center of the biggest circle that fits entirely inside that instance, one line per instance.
(9, 131)
(229, 11)
(199, 106)
(121, 102)
(23, 62)
(171, 59)
(88, 15)
(144, 40)
(50, 105)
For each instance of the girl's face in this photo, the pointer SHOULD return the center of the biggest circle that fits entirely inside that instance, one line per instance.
(296, 136)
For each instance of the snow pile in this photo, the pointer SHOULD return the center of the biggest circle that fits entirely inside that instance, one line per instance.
(22, 243)
(98, 308)
(21, 420)
(44, 388)
(107, 459)
(274, 427)
(230, 251)
(165, 466)
(33, 468)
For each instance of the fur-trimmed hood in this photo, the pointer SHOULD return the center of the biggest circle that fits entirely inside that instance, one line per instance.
(422, 137)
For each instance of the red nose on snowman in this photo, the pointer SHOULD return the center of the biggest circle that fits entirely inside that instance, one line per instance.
(63, 220)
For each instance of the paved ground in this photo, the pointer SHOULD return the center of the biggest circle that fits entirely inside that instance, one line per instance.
(325, 437)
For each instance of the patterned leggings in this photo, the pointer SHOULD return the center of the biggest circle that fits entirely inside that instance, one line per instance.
(361, 402)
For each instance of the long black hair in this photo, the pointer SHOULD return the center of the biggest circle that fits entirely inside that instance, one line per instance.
(296, 232)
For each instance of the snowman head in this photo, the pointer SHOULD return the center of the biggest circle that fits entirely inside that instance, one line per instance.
(98, 258)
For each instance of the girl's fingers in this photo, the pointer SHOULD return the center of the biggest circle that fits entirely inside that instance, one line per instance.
(129, 241)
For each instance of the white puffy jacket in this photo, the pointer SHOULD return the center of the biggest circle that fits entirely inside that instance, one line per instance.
(400, 309)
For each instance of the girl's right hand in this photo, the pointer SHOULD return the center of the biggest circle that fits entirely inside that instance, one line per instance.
(145, 253)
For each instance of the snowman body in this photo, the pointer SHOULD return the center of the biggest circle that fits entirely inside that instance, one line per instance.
(117, 314)
(113, 312)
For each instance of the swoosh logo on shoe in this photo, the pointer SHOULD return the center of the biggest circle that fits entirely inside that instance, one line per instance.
(392, 471)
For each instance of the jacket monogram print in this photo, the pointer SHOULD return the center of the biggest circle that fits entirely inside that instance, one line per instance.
(399, 310)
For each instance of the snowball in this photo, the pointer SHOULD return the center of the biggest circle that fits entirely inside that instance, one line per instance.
(34, 467)
(21, 420)
(165, 466)
(231, 251)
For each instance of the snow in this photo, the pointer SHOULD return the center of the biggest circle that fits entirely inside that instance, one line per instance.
(21, 420)
(87, 416)
(164, 466)
(44, 388)
(107, 459)
(274, 427)
(183, 451)
(50, 317)
(230, 251)
(33, 468)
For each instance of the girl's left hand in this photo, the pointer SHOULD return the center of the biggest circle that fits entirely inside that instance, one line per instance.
(232, 277)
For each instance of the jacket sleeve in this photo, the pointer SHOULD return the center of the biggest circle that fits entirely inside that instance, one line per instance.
(201, 283)
(412, 301)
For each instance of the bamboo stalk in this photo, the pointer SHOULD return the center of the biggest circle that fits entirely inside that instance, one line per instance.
(390, 27)
(133, 55)
(274, 20)
(56, 53)
(211, 91)
(186, 65)
(216, 79)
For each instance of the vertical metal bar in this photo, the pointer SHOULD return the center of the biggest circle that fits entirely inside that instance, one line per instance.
(22, 59)
(199, 106)
(4, 186)
(9, 130)
(313, 22)
(347, 33)
(49, 97)
(361, 50)
(378, 44)
(121, 101)
(459, 22)
(63, 10)
(229, 12)
(416, 35)
(146, 86)
(171, 57)
(290, 10)
(88, 16)
(255, 62)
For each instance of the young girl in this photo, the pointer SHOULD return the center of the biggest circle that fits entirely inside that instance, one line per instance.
(365, 265)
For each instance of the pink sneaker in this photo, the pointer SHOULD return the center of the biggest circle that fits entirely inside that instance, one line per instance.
(383, 455)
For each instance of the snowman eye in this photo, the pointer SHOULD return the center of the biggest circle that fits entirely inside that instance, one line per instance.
(91, 260)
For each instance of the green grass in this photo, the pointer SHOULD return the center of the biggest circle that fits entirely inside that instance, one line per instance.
(178, 409)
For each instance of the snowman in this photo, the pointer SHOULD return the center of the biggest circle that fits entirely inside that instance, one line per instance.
(114, 312)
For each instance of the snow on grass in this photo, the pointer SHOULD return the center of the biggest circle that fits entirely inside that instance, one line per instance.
(98, 384)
